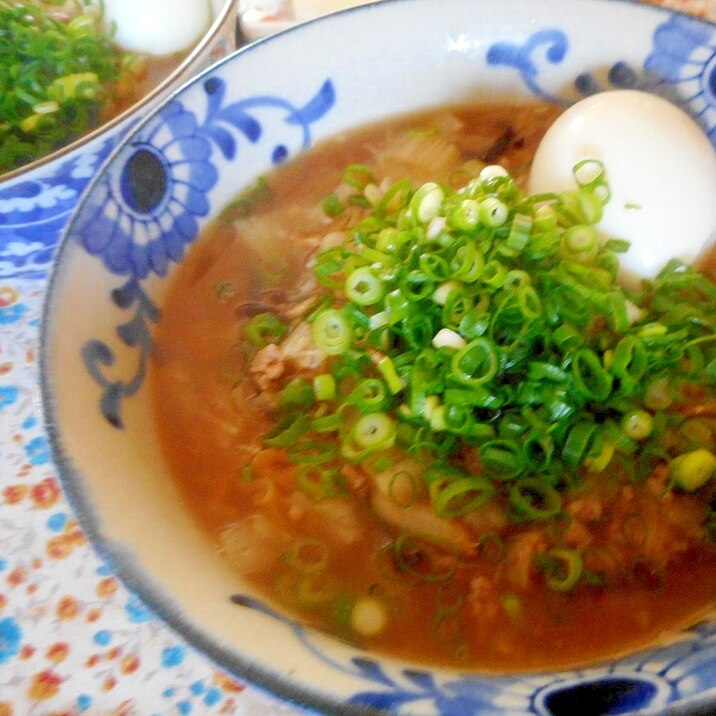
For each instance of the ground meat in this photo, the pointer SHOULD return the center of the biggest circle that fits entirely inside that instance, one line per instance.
(295, 355)
(519, 564)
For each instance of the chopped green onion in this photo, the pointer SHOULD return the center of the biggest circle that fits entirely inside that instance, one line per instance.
(494, 274)
(443, 291)
(324, 387)
(637, 424)
(319, 482)
(331, 332)
(589, 172)
(466, 215)
(545, 219)
(311, 452)
(513, 607)
(285, 434)
(621, 441)
(416, 560)
(265, 328)
(467, 263)
(502, 458)
(375, 431)
(475, 364)
(462, 496)
(358, 176)
(403, 488)
(390, 375)
(630, 359)
(364, 287)
(562, 568)
(426, 202)
(658, 395)
(600, 461)
(332, 205)
(566, 337)
(694, 469)
(370, 395)
(580, 243)
(534, 499)
(590, 377)
(296, 394)
(480, 327)
(519, 234)
(57, 81)
(84, 85)
(493, 212)
(578, 445)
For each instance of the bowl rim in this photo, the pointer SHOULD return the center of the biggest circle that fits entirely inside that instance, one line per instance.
(196, 53)
(307, 697)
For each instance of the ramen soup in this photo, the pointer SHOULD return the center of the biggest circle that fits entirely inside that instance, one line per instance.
(412, 406)
(61, 76)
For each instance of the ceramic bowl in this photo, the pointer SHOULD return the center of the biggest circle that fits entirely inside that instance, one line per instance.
(37, 199)
(259, 107)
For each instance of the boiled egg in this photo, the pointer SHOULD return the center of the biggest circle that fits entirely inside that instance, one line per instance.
(158, 27)
(660, 168)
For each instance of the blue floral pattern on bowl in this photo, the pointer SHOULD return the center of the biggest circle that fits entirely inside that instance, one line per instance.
(150, 203)
(147, 208)
(684, 58)
(35, 208)
(647, 682)
(681, 66)
(144, 216)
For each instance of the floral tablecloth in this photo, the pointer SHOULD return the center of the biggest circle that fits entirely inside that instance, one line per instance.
(73, 640)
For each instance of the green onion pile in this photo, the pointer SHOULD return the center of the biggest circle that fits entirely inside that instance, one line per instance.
(482, 332)
(54, 78)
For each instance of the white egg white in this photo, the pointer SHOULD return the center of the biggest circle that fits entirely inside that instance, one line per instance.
(158, 27)
(660, 167)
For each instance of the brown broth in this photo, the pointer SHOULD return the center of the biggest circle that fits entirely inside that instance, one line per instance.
(154, 70)
(211, 423)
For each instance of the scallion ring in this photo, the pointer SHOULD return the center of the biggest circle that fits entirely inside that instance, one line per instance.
(590, 377)
(476, 364)
(374, 431)
(332, 332)
(534, 499)
(460, 497)
(364, 287)
(502, 458)
(562, 568)
(265, 328)
(466, 215)
(580, 243)
(370, 395)
(493, 212)
(427, 201)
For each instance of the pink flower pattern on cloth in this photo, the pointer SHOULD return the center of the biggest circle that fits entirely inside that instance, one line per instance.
(73, 640)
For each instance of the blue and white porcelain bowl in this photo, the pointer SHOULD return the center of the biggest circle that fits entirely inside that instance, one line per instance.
(174, 172)
(37, 199)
